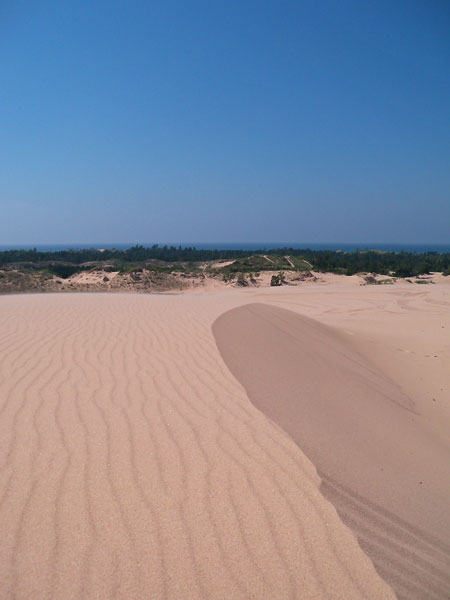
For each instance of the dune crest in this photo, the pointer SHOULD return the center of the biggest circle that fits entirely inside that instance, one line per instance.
(381, 468)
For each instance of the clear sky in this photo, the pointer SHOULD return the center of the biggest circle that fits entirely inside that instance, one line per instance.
(229, 120)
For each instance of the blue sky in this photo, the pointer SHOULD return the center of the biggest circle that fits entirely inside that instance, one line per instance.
(226, 120)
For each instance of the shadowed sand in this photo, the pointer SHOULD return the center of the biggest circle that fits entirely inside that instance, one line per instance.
(382, 464)
(134, 466)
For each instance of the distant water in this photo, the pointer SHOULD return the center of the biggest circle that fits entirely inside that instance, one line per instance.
(348, 247)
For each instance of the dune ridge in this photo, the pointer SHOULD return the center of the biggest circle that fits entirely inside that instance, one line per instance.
(380, 465)
(133, 464)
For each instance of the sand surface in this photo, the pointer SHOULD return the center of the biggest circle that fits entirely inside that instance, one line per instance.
(380, 464)
(134, 465)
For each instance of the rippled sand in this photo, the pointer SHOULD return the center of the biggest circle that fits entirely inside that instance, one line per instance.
(134, 464)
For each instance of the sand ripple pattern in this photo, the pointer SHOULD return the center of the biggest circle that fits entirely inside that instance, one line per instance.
(134, 466)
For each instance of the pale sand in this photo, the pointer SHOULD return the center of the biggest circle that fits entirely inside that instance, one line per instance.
(383, 454)
(135, 466)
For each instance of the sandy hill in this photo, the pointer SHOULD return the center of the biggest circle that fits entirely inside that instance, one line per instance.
(135, 465)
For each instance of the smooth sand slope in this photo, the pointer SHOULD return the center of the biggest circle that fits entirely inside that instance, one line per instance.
(381, 467)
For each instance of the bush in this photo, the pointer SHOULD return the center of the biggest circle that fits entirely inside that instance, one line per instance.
(423, 268)
(404, 270)
(63, 271)
(277, 280)
(241, 280)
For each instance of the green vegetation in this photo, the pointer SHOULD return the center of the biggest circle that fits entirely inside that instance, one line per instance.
(277, 280)
(401, 264)
(62, 270)
(241, 280)
(264, 262)
(168, 260)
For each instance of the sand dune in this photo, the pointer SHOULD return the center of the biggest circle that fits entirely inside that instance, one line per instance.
(380, 465)
(133, 464)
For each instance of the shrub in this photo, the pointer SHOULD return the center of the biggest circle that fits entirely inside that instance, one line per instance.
(404, 270)
(241, 280)
(63, 271)
(277, 280)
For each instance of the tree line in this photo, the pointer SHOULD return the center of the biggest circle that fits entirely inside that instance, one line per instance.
(401, 264)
